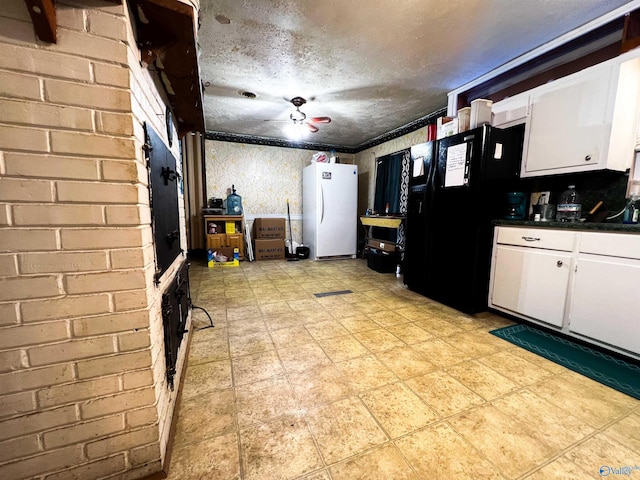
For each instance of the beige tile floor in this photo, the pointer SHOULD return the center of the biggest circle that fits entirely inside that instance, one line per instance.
(376, 384)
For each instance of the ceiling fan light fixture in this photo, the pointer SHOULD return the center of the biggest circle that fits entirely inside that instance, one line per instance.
(296, 131)
(247, 94)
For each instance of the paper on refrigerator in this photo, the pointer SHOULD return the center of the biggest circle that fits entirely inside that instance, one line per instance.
(455, 172)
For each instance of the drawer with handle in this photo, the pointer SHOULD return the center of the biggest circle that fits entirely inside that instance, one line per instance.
(536, 238)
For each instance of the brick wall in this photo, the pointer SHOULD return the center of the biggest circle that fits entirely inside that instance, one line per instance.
(82, 387)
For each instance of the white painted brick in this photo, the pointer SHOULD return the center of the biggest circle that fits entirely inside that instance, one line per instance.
(117, 403)
(17, 288)
(144, 455)
(90, 46)
(37, 422)
(134, 341)
(114, 123)
(98, 469)
(126, 441)
(25, 190)
(72, 18)
(100, 193)
(131, 300)
(128, 215)
(87, 95)
(26, 139)
(5, 218)
(70, 351)
(8, 266)
(73, 392)
(83, 432)
(30, 113)
(37, 334)
(129, 171)
(45, 62)
(21, 32)
(112, 75)
(16, 403)
(111, 323)
(130, 257)
(59, 215)
(19, 86)
(15, 10)
(11, 360)
(62, 262)
(66, 307)
(108, 26)
(102, 238)
(45, 462)
(105, 282)
(8, 313)
(115, 364)
(19, 447)
(27, 165)
(138, 379)
(25, 240)
(35, 378)
(141, 416)
(87, 144)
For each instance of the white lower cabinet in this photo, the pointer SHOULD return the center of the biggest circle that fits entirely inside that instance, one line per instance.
(531, 282)
(605, 304)
(585, 284)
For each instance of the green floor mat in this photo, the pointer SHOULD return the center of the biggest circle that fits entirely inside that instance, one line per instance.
(609, 370)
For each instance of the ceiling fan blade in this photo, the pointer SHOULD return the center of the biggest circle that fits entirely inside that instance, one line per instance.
(273, 120)
(312, 128)
(320, 119)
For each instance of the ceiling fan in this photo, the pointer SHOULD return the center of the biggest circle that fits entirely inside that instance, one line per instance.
(300, 118)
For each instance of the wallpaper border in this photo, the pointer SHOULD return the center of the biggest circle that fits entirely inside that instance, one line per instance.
(274, 142)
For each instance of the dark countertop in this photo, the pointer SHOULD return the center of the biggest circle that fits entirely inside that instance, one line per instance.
(599, 227)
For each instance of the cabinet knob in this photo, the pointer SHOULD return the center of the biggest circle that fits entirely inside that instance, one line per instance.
(559, 263)
(587, 158)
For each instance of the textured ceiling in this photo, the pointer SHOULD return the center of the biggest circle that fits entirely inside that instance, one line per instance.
(370, 65)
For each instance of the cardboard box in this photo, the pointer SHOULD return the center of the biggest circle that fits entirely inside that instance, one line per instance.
(264, 228)
(269, 249)
(231, 253)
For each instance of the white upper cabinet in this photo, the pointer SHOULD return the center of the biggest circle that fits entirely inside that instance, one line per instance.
(583, 122)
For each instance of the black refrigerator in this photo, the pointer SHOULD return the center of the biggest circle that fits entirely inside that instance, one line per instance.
(450, 213)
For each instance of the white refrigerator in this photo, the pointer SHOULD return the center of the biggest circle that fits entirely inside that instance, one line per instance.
(330, 210)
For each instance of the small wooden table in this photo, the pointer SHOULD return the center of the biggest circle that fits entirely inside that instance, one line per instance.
(383, 221)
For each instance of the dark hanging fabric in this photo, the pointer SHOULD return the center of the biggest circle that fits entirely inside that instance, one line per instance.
(392, 181)
(389, 183)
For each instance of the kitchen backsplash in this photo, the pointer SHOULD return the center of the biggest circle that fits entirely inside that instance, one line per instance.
(610, 187)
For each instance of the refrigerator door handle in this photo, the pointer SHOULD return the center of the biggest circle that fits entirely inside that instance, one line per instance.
(420, 207)
(321, 203)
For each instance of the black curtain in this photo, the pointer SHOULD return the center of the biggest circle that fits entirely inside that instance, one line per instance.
(392, 184)
(389, 183)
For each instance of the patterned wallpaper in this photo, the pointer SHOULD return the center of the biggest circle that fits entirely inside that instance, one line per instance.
(264, 176)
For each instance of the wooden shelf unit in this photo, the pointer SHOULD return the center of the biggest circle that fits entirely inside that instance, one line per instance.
(218, 235)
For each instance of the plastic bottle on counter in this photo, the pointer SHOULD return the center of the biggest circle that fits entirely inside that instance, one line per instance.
(569, 206)
(631, 212)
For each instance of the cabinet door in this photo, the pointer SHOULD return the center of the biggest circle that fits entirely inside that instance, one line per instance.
(236, 241)
(531, 282)
(567, 124)
(605, 305)
(215, 241)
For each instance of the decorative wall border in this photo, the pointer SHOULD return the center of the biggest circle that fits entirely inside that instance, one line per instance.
(274, 142)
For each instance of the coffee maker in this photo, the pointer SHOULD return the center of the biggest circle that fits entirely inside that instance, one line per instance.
(516, 206)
